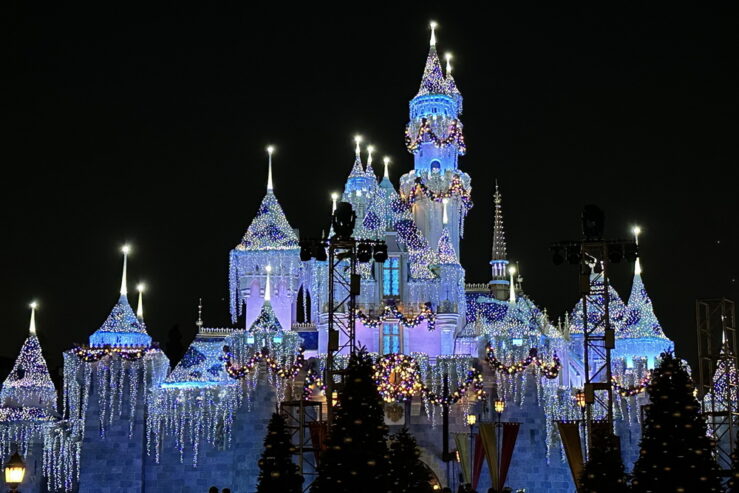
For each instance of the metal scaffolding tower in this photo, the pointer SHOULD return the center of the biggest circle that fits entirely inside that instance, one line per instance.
(300, 417)
(717, 374)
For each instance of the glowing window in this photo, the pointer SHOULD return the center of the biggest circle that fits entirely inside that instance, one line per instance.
(390, 338)
(391, 277)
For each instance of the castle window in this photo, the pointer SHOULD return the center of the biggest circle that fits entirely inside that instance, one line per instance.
(390, 338)
(391, 277)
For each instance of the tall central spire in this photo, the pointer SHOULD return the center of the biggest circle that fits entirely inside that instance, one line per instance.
(433, 76)
(500, 283)
(270, 185)
(124, 282)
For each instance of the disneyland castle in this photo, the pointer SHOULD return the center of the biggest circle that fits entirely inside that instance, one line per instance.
(129, 420)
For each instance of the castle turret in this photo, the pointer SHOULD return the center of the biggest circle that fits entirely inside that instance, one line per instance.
(361, 186)
(434, 137)
(269, 239)
(499, 284)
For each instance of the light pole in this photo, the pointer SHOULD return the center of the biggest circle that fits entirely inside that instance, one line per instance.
(15, 471)
(471, 420)
(582, 404)
(499, 408)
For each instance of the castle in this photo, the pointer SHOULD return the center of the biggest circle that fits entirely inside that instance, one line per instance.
(129, 422)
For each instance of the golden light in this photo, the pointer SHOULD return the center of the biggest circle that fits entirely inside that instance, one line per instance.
(334, 398)
(499, 406)
(33, 305)
(15, 471)
(334, 196)
(268, 268)
(141, 287)
(636, 230)
(126, 249)
(270, 150)
(580, 399)
(512, 269)
(471, 419)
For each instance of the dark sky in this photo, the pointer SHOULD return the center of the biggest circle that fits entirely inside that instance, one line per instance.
(149, 125)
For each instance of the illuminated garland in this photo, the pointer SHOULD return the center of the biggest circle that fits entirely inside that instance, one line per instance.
(426, 134)
(128, 353)
(398, 378)
(456, 189)
(634, 389)
(239, 372)
(550, 371)
(13, 414)
(313, 380)
(390, 311)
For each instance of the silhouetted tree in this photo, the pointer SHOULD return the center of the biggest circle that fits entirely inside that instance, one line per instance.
(407, 472)
(356, 459)
(174, 348)
(675, 451)
(604, 472)
(277, 471)
(734, 480)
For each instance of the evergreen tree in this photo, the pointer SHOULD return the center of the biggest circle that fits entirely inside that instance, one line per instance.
(734, 481)
(407, 472)
(604, 472)
(675, 450)
(356, 459)
(277, 472)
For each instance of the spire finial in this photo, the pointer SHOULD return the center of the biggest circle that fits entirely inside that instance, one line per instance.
(199, 321)
(140, 287)
(637, 265)
(512, 296)
(448, 58)
(267, 286)
(445, 214)
(334, 200)
(32, 326)
(370, 150)
(386, 162)
(357, 148)
(125, 249)
(270, 150)
(433, 26)
(499, 245)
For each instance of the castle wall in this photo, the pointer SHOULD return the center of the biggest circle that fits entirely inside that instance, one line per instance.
(234, 467)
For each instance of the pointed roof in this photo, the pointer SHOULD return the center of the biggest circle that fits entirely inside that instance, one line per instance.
(267, 320)
(641, 320)
(499, 243)
(29, 383)
(433, 80)
(617, 310)
(269, 230)
(446, 252)
(122, 327)
(357, 169)
(451, 85)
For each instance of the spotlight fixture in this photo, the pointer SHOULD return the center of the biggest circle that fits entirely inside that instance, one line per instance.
(364, 252)
(593, 221)
(343, 220)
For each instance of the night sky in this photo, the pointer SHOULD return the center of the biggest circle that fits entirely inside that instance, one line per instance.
(149, 126)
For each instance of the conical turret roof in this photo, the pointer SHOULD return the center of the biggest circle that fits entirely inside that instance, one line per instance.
(641, 320)
(447, 254)
(267, 320)
(269, 230)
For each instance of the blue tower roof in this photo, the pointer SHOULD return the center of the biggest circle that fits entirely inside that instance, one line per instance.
(202, 365)
(122, 327)
(269, 230)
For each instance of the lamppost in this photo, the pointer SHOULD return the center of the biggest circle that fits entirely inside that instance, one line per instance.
(499, 406)
(582, 404)
(15, 471)
(471, 421)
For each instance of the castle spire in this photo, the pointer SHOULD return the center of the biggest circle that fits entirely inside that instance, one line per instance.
(199, 321)
(637, 264)
(32, 325)
(370, 171)
(499, 243)
(125, 249)
(140, 307)
(386, 162)
(433, 77)
(270, 186)
(512, 293)
(357, 168)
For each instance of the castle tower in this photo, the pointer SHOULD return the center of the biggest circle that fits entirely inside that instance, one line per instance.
(434, 137)
(106, 384)
(499, 284)
(269, 240)
(361, 185)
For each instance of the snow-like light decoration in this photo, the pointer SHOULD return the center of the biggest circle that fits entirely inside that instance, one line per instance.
(433, 79)
(631, 390)
(391, 312)
(617, 311)
(640, 319)
(446, 253)
(420, 255)
(431, 131)
(398, 377)
(549, 370)
(197, 401)
(450, 83)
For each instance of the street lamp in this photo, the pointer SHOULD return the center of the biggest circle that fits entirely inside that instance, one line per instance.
(471, 421)
(582, 404)
(499, 406)
(15, 470)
